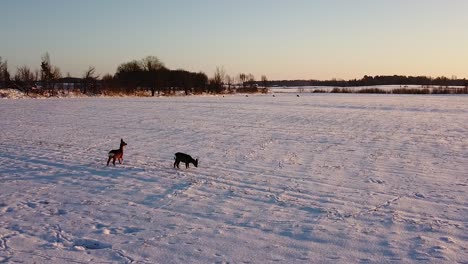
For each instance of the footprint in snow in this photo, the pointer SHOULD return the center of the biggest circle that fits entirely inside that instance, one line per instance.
(420, 195)
(131, 230)
(376, 181)
(447, 240)
(31, 205)
(90, 244)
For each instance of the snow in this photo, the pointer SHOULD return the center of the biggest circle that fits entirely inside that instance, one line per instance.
(321, 178)
(11, 94)
(17, 94)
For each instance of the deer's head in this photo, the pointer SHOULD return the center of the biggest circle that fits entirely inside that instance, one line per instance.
(122, 143)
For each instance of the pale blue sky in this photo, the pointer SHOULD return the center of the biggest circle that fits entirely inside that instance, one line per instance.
(297, 39)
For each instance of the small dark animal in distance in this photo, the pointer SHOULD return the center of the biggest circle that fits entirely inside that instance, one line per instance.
(297, 95)
(185, 158)
(117, 154)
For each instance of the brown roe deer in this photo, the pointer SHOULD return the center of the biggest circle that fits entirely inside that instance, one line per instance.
(117, 154)
(185, 158)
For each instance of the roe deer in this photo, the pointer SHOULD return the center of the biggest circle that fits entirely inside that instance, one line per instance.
(185, 159)
(117, 153)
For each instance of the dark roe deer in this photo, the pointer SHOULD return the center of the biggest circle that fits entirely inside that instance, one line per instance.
(117, 153)
(182, 157)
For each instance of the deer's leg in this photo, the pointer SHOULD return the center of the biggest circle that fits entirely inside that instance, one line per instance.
(187, 165)
(113, 161)
(108, 161)
(176, 164)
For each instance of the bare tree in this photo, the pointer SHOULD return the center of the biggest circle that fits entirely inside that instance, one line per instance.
(129, 74)
(264, 84)
(24, 74)
(46, 68)
(46, 71)
(151, 63)
(36, 75)
(4, 74)
(24, 78)
(242, 78)
(228, 81)
(49, 73)
(89, 78)
(216, 83)
(250, 79)
(56, 73)
(109, 83)
(153, 73)
(264, 81)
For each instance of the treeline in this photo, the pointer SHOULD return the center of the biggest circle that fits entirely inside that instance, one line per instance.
(376, 80)
(151, 74)
(146, 76)
(47, 79)
(403, 90)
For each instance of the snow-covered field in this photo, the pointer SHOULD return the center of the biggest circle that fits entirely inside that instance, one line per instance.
(321, 178)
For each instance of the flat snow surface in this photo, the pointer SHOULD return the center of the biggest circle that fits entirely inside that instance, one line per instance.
(320, 178)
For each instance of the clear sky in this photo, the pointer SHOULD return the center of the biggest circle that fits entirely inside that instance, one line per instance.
(295, 39)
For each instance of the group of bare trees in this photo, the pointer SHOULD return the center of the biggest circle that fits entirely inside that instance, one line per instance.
(242, 83)
(25, 78)
(250, 85)
(246, 78)
(148, 74)
(44, 79)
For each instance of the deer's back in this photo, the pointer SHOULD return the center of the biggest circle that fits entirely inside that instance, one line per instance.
(116, 152)
(183, 157)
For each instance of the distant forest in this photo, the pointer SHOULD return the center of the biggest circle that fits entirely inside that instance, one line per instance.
(423, 81)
